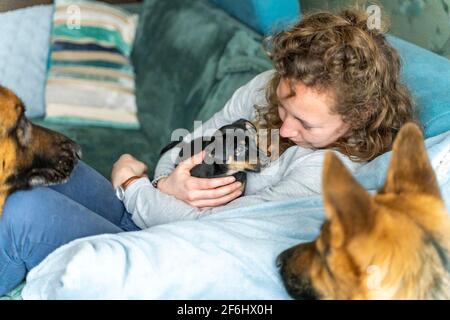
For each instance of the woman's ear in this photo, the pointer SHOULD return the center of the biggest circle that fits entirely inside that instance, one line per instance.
(345, 131)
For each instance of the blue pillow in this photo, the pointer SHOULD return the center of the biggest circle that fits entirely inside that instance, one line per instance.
(428, 77)
(263, 16)
(24, 47)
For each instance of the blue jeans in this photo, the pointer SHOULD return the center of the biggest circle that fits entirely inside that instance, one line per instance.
(36, 222)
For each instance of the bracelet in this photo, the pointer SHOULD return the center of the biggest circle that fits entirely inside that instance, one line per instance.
(156, 180)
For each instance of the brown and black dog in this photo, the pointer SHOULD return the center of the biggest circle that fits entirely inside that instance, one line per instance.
(30, 155)
(232, 150)
(392, 245)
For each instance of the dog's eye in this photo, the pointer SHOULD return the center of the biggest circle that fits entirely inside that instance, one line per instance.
(23, 132)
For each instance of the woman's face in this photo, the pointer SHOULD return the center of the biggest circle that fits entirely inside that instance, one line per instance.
(307, 118)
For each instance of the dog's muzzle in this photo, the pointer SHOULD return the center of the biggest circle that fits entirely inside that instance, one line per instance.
(298, 286)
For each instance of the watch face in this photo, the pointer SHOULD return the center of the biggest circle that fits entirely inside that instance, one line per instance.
(120, 193)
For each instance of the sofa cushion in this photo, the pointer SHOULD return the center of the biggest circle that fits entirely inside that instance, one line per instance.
(428, 77)
(177, 51)
(242, 59)
(263, 16)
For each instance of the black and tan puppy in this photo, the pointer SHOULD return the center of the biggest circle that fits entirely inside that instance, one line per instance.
(393, 245)
(30, 155)
(232, 150)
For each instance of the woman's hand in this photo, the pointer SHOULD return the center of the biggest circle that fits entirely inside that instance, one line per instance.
(126, 167)
(199, 192)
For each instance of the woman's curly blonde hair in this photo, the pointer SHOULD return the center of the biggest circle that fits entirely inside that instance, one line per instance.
(339, 52)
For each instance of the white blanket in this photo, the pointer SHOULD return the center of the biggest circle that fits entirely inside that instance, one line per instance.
(228, 255)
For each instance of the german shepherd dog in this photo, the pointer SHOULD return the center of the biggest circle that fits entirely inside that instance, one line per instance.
(232, 150)
(30, 155)
(392, 245)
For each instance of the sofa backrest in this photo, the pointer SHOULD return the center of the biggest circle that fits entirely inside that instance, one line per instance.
(428, 77)
(263, 16)
(189, 57)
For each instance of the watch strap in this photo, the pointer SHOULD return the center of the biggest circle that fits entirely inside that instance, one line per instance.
(130, 180)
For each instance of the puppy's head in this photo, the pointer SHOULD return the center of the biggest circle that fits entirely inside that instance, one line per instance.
(30, 155)
(236, 146)
(394, 245)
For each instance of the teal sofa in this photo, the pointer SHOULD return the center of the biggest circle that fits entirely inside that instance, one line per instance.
(190, 56)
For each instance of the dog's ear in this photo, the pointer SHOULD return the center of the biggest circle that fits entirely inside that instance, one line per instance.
(410, 170)
(349, 207)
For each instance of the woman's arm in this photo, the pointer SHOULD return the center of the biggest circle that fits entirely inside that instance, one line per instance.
(199, 192)
(241, 105)
(166, 163)
(150, 207)
(179, 195)
(301, 177)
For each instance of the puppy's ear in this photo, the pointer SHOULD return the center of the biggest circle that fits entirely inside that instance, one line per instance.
(410, 170)
(349, 207)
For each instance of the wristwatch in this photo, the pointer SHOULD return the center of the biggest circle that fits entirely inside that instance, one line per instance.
(120, 190)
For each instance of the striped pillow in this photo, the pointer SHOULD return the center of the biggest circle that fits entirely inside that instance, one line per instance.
(91, 79)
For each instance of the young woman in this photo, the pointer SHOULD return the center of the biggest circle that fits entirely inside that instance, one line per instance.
(335, 85)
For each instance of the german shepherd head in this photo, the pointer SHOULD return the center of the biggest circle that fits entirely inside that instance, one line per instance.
(30, 155)
(393, 245)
